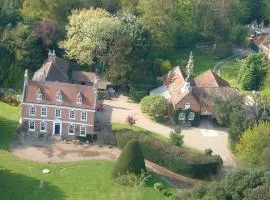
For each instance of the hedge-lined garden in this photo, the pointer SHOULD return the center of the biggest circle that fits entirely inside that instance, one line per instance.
(173, 158)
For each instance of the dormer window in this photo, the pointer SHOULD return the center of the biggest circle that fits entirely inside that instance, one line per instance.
(39, 94)
(59, 96)
(79, 98)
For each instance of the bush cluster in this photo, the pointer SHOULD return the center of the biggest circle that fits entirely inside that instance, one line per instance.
(155, 106)
(136, 95)
(171, 157)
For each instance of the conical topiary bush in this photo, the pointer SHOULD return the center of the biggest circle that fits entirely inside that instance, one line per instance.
(130, 160)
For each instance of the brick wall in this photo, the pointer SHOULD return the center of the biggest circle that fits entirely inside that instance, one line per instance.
(64, 120)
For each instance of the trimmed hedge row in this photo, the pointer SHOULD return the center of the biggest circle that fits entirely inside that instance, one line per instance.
(171, 157)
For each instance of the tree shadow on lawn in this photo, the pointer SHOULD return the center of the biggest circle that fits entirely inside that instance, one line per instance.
(18, 187)
(7, 131)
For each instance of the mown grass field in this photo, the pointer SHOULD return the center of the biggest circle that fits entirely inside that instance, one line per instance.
(202, 61)
(230, 71)
(20, 179)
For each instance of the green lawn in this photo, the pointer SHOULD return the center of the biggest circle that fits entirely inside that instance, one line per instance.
(202, 61)
(19, 179)
(230, 71)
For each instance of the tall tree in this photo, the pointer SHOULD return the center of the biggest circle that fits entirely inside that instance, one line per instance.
(89, 34)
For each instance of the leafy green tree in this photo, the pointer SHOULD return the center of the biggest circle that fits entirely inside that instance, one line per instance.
(40, 9)
(237, 185)
(5, 61)
(22, 44)
(89, 34)
(119, 69)
(156, 15)
(154, 105)
(130, 160)
(14, 77)
(253, 142)
(10, 17)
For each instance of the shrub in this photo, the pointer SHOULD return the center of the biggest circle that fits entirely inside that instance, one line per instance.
(131, 160)
(167, 193)
(208, 152)
(136, 95)
(165, 66)
(133, 180)
(154, 105)
(159, 186)
(176, 138)
(173, 158)
(131, 120)
(102, 95)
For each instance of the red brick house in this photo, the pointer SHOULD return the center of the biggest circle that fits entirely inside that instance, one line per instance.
(196, 95)
(51, 106)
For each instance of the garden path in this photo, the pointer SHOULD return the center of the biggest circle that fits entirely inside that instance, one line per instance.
(53, 151)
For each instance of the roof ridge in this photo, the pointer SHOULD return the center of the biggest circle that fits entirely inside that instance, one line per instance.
(62, 83)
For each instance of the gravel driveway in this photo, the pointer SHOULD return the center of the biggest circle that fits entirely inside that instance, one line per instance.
(117, 109)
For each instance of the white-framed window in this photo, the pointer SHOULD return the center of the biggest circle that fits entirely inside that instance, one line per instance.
(71, 114)
(83, 116)
(59, 96)
(57, 113)
(79, 100)
(182, 116)
(43, 127)
(31, 125)
(43, 111)
(82, 131)
(39, 95)
(71, 129)
(191, 116)
(32, 110)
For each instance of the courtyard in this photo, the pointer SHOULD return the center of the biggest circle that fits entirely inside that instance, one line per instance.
(200, 138)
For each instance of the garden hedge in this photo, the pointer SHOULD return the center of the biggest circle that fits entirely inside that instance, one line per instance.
(130, 160)
(173, 158)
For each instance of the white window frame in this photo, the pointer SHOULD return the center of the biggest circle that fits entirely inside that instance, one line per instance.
(70, 114)
(29, 125)
(69, 133)
(39, 96)
(82, 116)
(59, 97)
(79, 100)
(46, 111)
(81, 127)
(191, 116)
(45, 125)
(34, 110)
(58, 117)
(182, 116)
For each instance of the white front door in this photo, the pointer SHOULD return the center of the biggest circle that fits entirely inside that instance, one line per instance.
(57, 128)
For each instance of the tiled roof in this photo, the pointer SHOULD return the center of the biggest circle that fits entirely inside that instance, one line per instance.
(207, 95)
(174, 81)
(69, 94)
(210, 79)
(53, 69)
(83, 76)
(205, 88)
